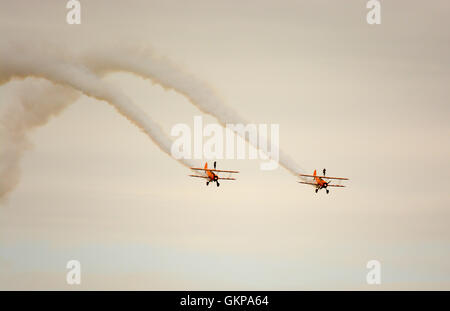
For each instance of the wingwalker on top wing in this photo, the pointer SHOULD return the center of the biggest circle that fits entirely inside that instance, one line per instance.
(210, 174)
(321, 182)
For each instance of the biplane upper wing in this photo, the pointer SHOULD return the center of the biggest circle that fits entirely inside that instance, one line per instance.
(213, 170)
(222, 178)
(326, 177)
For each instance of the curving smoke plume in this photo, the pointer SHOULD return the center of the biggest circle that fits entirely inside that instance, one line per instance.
(25, 105)
(31, 104)
(145, 64)
(18, 62)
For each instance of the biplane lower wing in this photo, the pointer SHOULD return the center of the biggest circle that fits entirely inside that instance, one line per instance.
(199, 176)
(314, 184)
(222, 178)
(308, 183)
(326, 177)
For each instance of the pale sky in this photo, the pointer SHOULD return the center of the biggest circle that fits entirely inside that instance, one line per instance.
(368, 102)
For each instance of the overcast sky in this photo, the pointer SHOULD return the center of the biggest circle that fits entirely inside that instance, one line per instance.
(368, 102)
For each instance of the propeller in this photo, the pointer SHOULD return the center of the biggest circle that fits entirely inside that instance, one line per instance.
(214, 164)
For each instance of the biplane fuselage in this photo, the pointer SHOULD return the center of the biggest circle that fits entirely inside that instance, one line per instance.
(320, 182)
(210, 174)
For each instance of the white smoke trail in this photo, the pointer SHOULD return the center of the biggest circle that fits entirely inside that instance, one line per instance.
(17, 62)
(24, 106)
(146, 65)
(54, 65)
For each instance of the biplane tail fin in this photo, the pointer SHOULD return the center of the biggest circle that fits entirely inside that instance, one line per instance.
(315, 173)
(206, 165)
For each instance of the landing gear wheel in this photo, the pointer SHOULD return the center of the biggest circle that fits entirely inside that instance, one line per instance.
(207, 183)
(218, 184)
(317, 190)
(328, 191)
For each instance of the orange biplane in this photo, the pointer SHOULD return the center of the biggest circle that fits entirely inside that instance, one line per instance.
(320, 182)
(211, 175)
